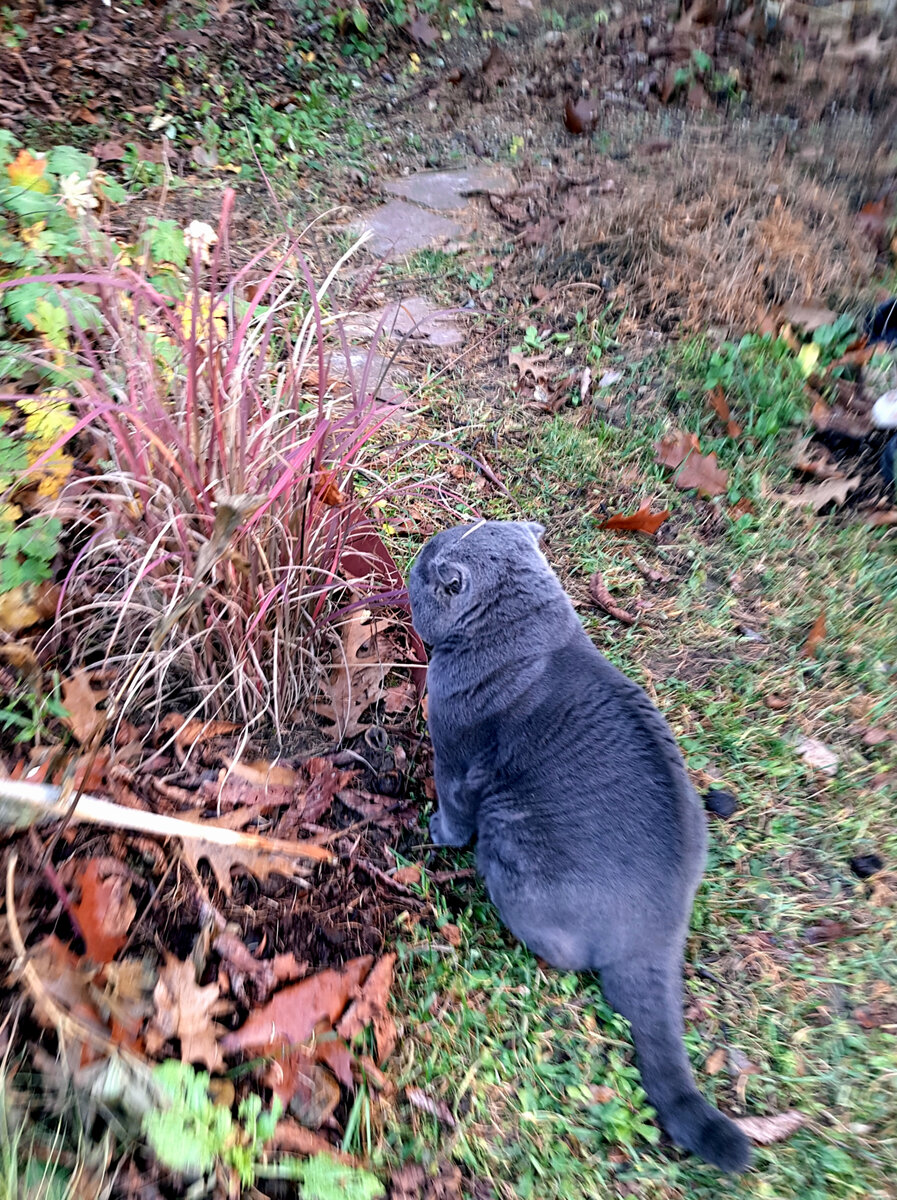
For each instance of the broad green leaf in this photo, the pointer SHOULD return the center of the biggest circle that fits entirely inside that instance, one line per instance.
(66, 160)
(167, 243)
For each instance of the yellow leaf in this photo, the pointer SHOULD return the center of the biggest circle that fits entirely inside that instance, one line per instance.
(26, 171)
(808, 358)
(30, 235)
(54, 473)
(10, 512)
(202, 317)
(24, 606)
(47, 418)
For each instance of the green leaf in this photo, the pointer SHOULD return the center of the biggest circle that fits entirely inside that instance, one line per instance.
(193, 1132)
(703, 62)
(20, 301)
(167, 242)
(66, 160)
(360, 20)
(321, 1178)
(8, 147)
(53, 321)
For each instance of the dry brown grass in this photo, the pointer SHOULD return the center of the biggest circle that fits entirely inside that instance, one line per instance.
(723, 239)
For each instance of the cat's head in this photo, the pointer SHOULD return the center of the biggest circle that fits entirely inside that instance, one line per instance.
(461, 569)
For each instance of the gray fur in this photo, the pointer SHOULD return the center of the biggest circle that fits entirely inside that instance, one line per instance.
(590, 837)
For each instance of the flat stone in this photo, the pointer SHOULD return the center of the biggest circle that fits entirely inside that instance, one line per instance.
(448, 191)
(414, 318)
(400, 228)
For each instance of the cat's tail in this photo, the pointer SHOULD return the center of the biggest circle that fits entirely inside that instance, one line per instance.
(649, 995)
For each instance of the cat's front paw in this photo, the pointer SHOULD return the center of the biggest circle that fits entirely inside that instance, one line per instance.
(442, 834)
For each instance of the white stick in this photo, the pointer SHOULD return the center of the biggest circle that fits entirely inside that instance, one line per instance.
(47, 800)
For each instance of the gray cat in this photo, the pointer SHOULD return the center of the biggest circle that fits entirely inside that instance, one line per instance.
(590, 838)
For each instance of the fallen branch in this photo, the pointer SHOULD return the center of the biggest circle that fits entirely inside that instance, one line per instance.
(23, 804)
(602, 597)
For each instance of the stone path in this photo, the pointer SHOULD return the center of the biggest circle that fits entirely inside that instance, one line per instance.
(427, 209)
(415, 220)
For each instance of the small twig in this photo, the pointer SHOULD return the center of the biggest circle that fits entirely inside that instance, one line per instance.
(602, 597)
(451, 876)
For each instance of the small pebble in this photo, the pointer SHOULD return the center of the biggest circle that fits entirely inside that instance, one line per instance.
(721, 803)
(864, 865)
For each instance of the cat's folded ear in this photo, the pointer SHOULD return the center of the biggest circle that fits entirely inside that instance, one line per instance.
(535, 529)
(452, 576)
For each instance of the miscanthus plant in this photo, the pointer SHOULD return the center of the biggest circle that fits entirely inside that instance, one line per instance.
(225, 506)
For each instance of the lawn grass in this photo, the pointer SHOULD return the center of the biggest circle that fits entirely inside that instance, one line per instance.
(787, 943)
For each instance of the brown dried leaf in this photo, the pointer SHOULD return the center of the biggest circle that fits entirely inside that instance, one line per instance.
(264, 773)
(602, 597)
(293, 1138)
(766, 1130)
(194, 732)
(106, 908)
(325, 781)
(418, 1098)
(643, 520)
(815, 637)
(422, 31)
(68, 980)
(186, 1011)
(80, 700)
(809, 317)
(291, 1015)
(720, 405)
(251, 979)
(357, 680)
(827, 930)
(496, 66)
(817, 496)
(580, 115)
(26, 605)
(254, 860)
(372, 1007)
(716, 1061)
(814, 459)
(536, 365)
(878, 1014)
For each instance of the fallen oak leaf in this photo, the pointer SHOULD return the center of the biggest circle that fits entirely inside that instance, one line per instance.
(263, 772)
(817, 754)
(580, 116)
(602, 597)
(536, 365)
(813, 459)
(105, 910)
(80, 701)
(186, 1011)
(817, 496)
(682, 453)
(190, 732)
(292, 1014)
(809, 317)
(643, 520)
(293, 1138)
(372, 1008)
(422, 31)
(357, 680)
(766, 1130)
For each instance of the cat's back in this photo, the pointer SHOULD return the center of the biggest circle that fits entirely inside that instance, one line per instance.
(590, 763)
